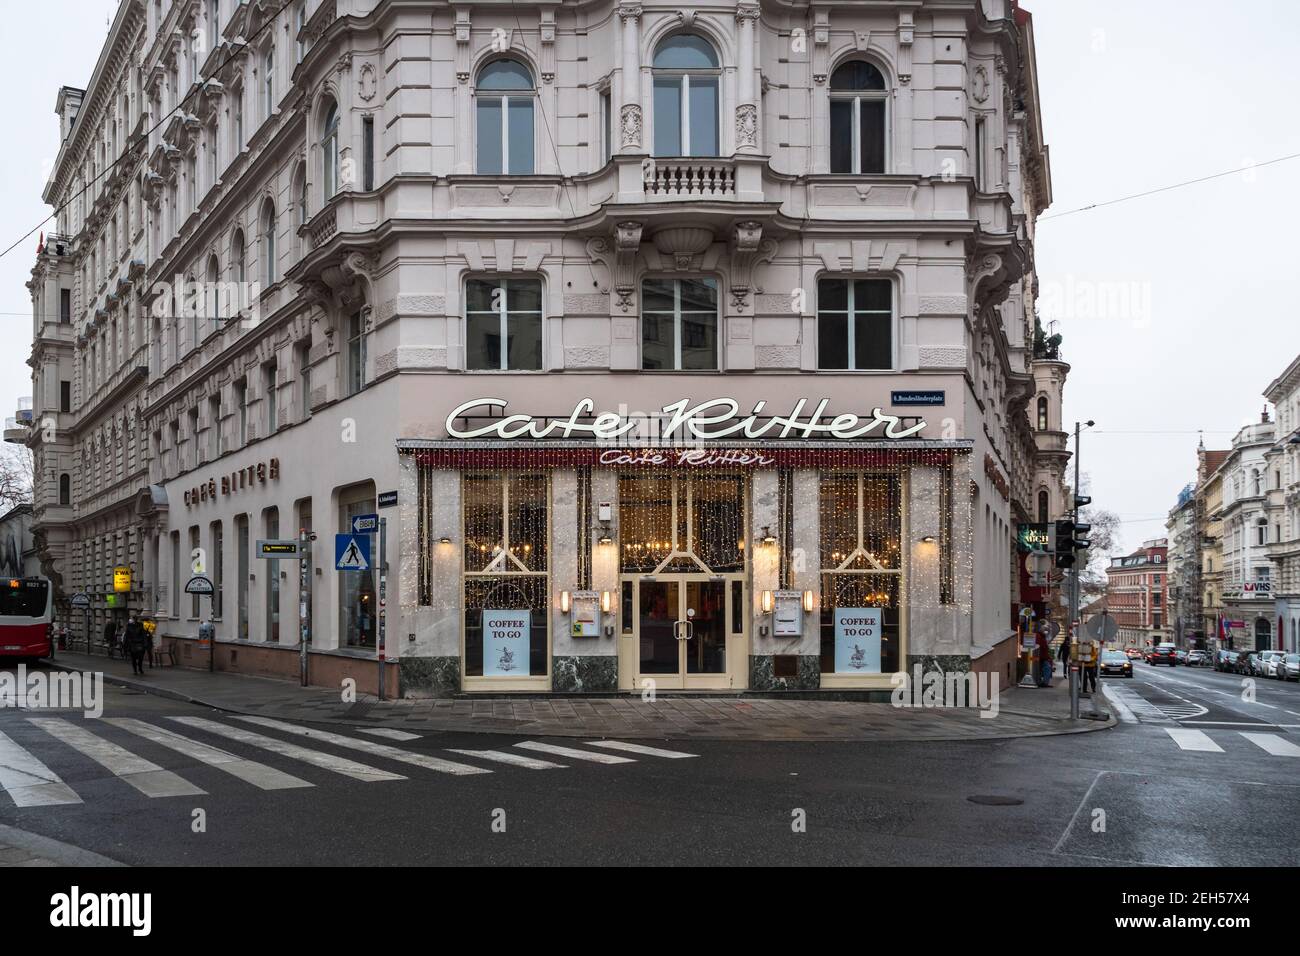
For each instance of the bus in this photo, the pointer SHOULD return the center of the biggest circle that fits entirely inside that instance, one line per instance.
(26, 618)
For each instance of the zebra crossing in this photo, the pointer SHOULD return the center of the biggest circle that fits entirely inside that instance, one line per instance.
(1199, 741)
(27, 779)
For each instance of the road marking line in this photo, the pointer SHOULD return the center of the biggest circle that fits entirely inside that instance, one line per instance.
(1193, 740)
(145, 775)
(639, 749)
(370, 747)
(1273, 744)
(515, 760)
(1235, 723)
(572, 753)
(349, 768)
(386, 733)
(29, 782)
(249, 771)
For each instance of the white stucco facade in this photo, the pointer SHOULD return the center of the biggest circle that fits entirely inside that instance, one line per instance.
(320, 189)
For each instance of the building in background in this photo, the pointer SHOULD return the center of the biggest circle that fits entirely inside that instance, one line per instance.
(1185, 571)
(1209, 508)
(1137, 593)
(1247, 583)
(585, 300)
(1282, 508)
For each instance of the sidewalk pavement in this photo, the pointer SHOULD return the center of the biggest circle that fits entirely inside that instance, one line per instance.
(20, 848)
(1022, 712)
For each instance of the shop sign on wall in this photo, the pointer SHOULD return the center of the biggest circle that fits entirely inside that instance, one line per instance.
(506, 642)
(234, 482)
(857, 640)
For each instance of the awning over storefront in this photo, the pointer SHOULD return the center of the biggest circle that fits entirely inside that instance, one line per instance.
(449, 454)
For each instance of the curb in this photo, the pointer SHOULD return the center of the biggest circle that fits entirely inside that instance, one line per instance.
(1084, 725)
(63, 854)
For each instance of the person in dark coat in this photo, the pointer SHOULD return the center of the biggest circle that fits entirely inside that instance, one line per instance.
(137, 643)
(110, 635)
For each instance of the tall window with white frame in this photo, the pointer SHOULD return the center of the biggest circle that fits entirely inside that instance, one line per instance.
(268, 84)
(241, 403)
(686, 77)
(271, 526)
(356, 365)
(855, 324)
(329, 147)
(503, 325)
(303, 363)
(679, 324)
(504, 107)
(859, 122)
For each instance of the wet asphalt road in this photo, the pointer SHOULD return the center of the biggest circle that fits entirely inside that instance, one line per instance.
(1196, 774)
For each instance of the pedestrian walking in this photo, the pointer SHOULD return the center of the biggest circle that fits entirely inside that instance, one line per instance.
(110, 636)
(1089, 669)
(136, 642)
(1044, 659)
(1065, 656)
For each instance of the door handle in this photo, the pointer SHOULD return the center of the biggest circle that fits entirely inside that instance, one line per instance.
(685, 630)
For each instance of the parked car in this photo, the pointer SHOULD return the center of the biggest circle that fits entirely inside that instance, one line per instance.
(1197, 659)
(1245, 663)
(1289, 667)
(1225, 661)
(1164, 654)
(1181, 655)
(1265, 663)
(1116, 662)
(1132, 653)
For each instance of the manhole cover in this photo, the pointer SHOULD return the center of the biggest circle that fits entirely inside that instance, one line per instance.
(992, 800)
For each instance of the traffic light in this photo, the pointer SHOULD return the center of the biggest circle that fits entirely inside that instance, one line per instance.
(1081, 501)
(1069, 540)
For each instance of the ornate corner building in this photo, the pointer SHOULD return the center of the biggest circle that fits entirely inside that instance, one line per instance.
(684, 342)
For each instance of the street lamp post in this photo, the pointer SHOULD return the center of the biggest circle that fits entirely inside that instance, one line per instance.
(1078, 575)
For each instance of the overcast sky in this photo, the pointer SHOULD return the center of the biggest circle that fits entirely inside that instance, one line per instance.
(1177, 309)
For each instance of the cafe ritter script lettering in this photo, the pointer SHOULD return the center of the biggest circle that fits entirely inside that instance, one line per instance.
(713, 420)
(234, 482)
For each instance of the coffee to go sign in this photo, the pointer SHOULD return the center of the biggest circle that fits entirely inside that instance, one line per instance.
(236, 481)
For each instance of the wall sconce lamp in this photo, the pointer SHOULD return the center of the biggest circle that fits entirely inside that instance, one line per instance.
(809, 601)
(767, 602)
(929, 539)
(606, 601)
(445, 539)
(768, 537)
(605, 536)
(564, 602)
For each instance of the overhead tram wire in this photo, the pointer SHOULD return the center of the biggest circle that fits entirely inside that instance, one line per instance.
(145, 135)
(1165, 189)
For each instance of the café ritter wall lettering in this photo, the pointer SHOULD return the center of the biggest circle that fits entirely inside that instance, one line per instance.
(711, 420)
(258, 474)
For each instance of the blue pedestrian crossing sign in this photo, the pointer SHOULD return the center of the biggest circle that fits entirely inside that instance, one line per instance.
(352, 552)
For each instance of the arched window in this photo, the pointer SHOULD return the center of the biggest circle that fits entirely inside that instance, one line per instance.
(65, 489)
(1043, 506)
(1042, 414)
(269, 275)
(212, 304)
(858, 119)
(686, 77)
(503, 105)
(329, 146)
(237, 265)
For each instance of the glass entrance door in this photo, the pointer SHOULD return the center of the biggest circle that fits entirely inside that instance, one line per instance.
(682, 627)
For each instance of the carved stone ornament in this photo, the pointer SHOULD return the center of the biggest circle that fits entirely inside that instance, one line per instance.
(630, 126)
(980, 84)
(627, 244)
(747, 125)
(368, 83)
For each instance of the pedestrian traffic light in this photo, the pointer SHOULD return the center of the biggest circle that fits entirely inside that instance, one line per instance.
(1082, 501)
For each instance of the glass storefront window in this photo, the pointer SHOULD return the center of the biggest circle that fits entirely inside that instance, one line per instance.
(694, 523)
(861, 545)
(507, 587)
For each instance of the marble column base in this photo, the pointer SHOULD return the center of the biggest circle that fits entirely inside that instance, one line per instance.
(583, 674)
(429, 676)
(761, 675)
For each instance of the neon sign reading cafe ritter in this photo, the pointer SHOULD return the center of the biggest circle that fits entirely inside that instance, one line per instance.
(712, 420)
